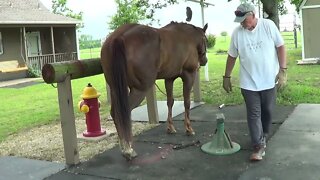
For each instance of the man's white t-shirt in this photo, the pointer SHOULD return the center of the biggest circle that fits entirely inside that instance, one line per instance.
(257, 53)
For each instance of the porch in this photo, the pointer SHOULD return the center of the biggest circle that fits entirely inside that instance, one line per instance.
(31, 35)
(36, 62)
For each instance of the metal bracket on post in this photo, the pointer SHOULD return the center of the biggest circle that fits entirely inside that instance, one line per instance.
(152, 106)
(68, 127)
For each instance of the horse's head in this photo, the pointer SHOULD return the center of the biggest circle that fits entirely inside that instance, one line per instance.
(202, 47)
(196, 36)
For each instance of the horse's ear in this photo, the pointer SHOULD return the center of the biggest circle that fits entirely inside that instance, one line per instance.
(205, 27)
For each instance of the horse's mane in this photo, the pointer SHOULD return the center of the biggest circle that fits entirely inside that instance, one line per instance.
(175, 23)
(182, 25)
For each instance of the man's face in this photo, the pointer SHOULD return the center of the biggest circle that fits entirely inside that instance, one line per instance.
(249, 22)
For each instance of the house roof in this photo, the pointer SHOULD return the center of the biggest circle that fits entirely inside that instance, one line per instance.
(302, 4)
(30, 12)
(309, 4)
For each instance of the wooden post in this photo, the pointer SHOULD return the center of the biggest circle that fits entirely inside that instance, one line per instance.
(108, 94)
(68, 127)
(196, 88)
(295, 37)
(152, 106)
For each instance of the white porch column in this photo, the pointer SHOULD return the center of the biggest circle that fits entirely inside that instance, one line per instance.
(52, 44)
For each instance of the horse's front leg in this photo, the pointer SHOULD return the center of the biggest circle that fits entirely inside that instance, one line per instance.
(188, 79)
(170, 101)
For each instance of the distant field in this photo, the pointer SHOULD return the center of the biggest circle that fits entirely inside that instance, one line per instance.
(90, 53)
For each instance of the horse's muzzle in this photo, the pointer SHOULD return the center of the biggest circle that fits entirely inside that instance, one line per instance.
(203, 61)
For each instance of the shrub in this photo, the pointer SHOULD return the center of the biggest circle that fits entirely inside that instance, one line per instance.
(211, 40)
(32, 73)
(221, 51)
(224, 33)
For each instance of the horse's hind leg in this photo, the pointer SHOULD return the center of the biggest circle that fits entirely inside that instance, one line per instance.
(170, 101)
(188, 79)
(136, 97)
(125, 137)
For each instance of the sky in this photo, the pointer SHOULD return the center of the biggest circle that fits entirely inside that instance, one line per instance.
(97, 14)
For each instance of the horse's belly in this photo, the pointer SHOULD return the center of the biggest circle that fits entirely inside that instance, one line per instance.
(168, 74)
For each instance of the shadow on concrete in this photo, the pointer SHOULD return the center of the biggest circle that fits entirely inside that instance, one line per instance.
(163, 156)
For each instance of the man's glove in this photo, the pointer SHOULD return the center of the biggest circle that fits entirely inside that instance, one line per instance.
(281, 78)
(227, 84)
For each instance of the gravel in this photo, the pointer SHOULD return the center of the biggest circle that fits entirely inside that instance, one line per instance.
(45, 142)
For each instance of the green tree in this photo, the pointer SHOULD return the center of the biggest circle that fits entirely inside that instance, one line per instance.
(60, 7)
(274, 7)
(224, 34)
(297, 3)
(87, 42)
(136, 11)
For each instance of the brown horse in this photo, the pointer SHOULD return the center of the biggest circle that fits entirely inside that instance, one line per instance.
(134, 56)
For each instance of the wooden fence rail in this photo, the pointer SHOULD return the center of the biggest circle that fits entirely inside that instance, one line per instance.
(57, 72)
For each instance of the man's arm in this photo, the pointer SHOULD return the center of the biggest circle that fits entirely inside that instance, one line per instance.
(282, 75)
(229, 65)
(282, 57)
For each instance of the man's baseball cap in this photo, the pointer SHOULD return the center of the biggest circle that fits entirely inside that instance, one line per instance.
(243, 11)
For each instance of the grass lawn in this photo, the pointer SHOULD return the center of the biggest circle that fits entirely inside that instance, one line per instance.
(90, 53)
(38, 104)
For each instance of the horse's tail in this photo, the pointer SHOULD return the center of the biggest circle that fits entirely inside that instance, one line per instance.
(119, 89)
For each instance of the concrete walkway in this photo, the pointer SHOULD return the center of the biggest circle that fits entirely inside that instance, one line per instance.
(293, 151)
(15, 168)
(19, 83)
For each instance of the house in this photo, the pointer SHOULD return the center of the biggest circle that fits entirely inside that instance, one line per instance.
(310, 12)
(31, 36)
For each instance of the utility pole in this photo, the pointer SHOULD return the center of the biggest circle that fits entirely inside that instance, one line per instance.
(203, 5)
(196, 85)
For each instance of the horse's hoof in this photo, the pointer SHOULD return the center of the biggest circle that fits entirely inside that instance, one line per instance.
(129, 155)
(190, 133)
(171, 131)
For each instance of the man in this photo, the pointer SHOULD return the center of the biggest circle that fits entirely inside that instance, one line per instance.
(262, 56)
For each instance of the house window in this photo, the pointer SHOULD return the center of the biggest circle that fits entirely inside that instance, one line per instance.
(1, 47)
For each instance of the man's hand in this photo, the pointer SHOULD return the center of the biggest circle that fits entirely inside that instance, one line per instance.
(281, 78)
(227, 84)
